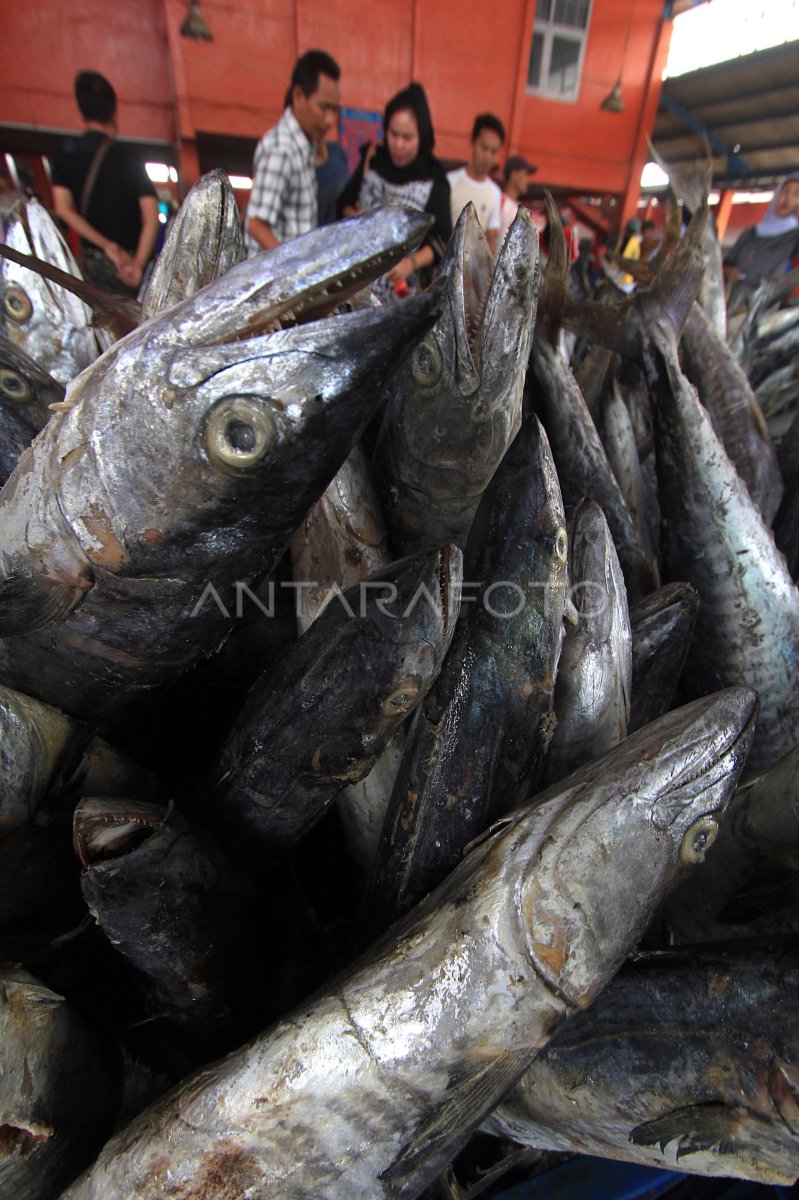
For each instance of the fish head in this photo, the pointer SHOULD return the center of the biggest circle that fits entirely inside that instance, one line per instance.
(48, 323)
(612, 839)
(458, 401)
(104, 828)
(171, 457)
(300, 280)
(597, 583)
(418, 615)
(203, 243)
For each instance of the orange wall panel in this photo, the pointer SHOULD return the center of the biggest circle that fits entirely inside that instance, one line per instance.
(43, 45)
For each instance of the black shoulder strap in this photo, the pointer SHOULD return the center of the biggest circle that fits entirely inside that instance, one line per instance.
(91, 178)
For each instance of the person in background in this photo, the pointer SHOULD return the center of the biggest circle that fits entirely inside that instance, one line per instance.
(517, 180)
(473, 182)
(650, 240)
(404, 171)
(767, 248)
(332, 173)
(102, 191)
(631, 248)
(283, 201)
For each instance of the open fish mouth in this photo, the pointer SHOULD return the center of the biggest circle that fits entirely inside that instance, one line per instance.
(104, 828)
(475, 265)
(338, 276)
(498, 298)
(726, 742)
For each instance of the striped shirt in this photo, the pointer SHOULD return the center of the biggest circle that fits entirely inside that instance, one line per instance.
(284, 182)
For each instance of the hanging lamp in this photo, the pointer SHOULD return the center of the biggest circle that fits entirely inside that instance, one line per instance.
(195, 25)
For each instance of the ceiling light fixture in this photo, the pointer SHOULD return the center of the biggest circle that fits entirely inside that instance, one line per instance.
(195, 25)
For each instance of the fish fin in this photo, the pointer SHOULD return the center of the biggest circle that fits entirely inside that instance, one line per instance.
(695, 1128)
(765, 900)
(30, 602)
(468, 1098)
(783, 1088)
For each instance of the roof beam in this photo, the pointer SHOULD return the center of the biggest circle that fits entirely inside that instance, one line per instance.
(734, 161)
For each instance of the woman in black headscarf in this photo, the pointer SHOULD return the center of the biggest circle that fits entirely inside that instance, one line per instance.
(404, 171)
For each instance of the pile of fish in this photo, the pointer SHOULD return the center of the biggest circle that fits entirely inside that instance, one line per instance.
(373, 683)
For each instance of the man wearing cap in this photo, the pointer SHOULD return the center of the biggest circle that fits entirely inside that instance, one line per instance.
(517, 180)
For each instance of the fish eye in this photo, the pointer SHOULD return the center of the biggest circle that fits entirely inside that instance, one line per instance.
(427, 362)
(560, 544)
(13, 385)
(400, 699)
(17, 305)
(240, 431)
(698, 840)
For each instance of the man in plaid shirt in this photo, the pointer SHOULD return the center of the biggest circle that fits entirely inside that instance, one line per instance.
(283, 198)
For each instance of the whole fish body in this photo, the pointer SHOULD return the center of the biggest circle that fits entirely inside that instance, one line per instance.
(56, 1090)
(474, 745)
(747, 628)
(689, 1060)
(457, 405)
(593, 683)
(370, 1089)
(175, 468)
(310, 725)
(52, 326)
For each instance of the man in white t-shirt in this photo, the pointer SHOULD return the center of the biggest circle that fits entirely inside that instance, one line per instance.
(473, 181)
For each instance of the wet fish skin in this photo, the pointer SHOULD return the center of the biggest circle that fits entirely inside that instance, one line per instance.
(322, 717)
(593, 683)
(369, 1090)
(662, 627)
(621, 446)
(342, 541)
(203, 243)
(49, 324)
(143, 493)
(457, 405)
(56, 1093)
(736, 415)
(582, 464)
(25, 386)
(170, 902)
(747, 628)
(478, 741)
(689, 1060)
(39, 748)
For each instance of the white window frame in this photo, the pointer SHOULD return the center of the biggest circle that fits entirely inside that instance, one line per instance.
(550, 29)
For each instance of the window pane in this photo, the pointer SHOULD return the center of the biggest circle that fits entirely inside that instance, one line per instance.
(543, 10)
(536, 55)
(571, 12)
(563, 65)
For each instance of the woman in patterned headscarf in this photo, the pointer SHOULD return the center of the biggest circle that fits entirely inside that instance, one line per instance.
(404, 170)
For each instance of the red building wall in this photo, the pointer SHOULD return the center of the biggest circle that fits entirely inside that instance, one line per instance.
(471, 56)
